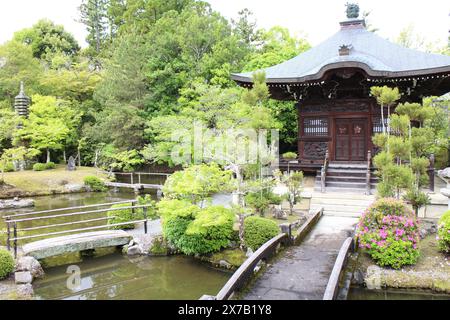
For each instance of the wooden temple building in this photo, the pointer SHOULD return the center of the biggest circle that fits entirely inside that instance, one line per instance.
(331, 84)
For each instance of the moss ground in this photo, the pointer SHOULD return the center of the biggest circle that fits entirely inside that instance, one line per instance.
(33, 183)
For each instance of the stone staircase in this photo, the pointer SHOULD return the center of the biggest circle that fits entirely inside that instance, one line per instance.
(347, 178)
(341, 204)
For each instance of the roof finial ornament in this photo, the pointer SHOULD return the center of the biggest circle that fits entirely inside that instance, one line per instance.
(352, 10)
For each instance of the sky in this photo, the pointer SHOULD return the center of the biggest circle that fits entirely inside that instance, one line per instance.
(316, 19)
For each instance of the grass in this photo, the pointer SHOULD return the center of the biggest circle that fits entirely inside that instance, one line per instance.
(33, 183)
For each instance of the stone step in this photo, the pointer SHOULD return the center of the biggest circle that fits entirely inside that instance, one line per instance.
(344, 184)
(350, 166)
(360, 191)
(348, 179)
(340, 208)
(341, 196)
(342, 202)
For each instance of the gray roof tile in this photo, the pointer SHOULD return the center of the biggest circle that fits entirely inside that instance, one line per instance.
(376, 55)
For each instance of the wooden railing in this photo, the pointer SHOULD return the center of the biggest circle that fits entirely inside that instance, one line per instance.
(369, 173)
(13, 222)
(243, 274)
(138, 174)
(341, 261)
(323, 173)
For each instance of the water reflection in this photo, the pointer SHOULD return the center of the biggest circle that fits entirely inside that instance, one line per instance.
(143, 278)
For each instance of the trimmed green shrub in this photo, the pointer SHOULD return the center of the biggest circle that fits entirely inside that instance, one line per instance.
(39, 167)
(290, 156)
(122, 216)
(50, 166)
(95, 183)
(214, 227)
(443, 236)
(389, 232)
(193, 230)
(6, 263)
(258, 231)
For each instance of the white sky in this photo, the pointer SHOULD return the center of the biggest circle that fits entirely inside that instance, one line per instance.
(318, 19)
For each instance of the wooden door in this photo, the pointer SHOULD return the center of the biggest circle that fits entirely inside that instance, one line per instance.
(350, 140)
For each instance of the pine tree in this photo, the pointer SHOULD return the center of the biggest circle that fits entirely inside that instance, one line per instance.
(94, 16)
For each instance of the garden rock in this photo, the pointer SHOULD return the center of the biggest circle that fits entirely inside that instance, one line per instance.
(225, 264)
(249, 253)
(23, 277)
(31, 265)
(74, 188)
(135, 250)
(373, 277)
(143, 241)
(16, 203)
(25, 291)
(358, 278)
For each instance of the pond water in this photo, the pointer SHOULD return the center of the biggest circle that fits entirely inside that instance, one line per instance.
(144, 278)
(366, 294)
(64, 201)
(115, 276)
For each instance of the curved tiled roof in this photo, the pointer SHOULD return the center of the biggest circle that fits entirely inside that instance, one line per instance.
(375, 55)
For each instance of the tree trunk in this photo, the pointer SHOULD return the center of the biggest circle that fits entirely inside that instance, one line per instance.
(79, 158)
(64, 156)
(48, 155)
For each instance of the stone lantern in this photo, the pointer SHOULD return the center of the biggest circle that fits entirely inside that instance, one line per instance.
(445, 175)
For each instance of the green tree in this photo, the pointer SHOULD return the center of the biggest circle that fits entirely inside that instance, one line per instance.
(94, 16)
(48, 41)
(277, 46)
(386, 97)
(49, 124)
(18, 64)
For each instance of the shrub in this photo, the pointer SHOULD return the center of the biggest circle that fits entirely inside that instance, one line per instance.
(50, 166)
(39, 167)
(214, 227)
(389, 231)
(444, 233)
(6, 263)
(94, 183)
(289, 156)
(258, 231)
(193, 230)
(122, 216)
(9, 167)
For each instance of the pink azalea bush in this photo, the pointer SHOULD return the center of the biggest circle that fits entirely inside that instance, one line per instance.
(443, 236)
(389, 232)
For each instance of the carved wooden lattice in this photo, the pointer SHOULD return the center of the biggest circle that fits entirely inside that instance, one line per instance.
(315, 127)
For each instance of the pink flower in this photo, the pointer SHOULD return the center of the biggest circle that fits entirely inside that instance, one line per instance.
(399, 232)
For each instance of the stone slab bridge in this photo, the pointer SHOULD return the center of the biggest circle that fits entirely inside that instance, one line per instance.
(67, 237)
(76, 243)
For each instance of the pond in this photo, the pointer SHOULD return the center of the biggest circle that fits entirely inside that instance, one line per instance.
(116, 276)
(143, 278)
(64, 201)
